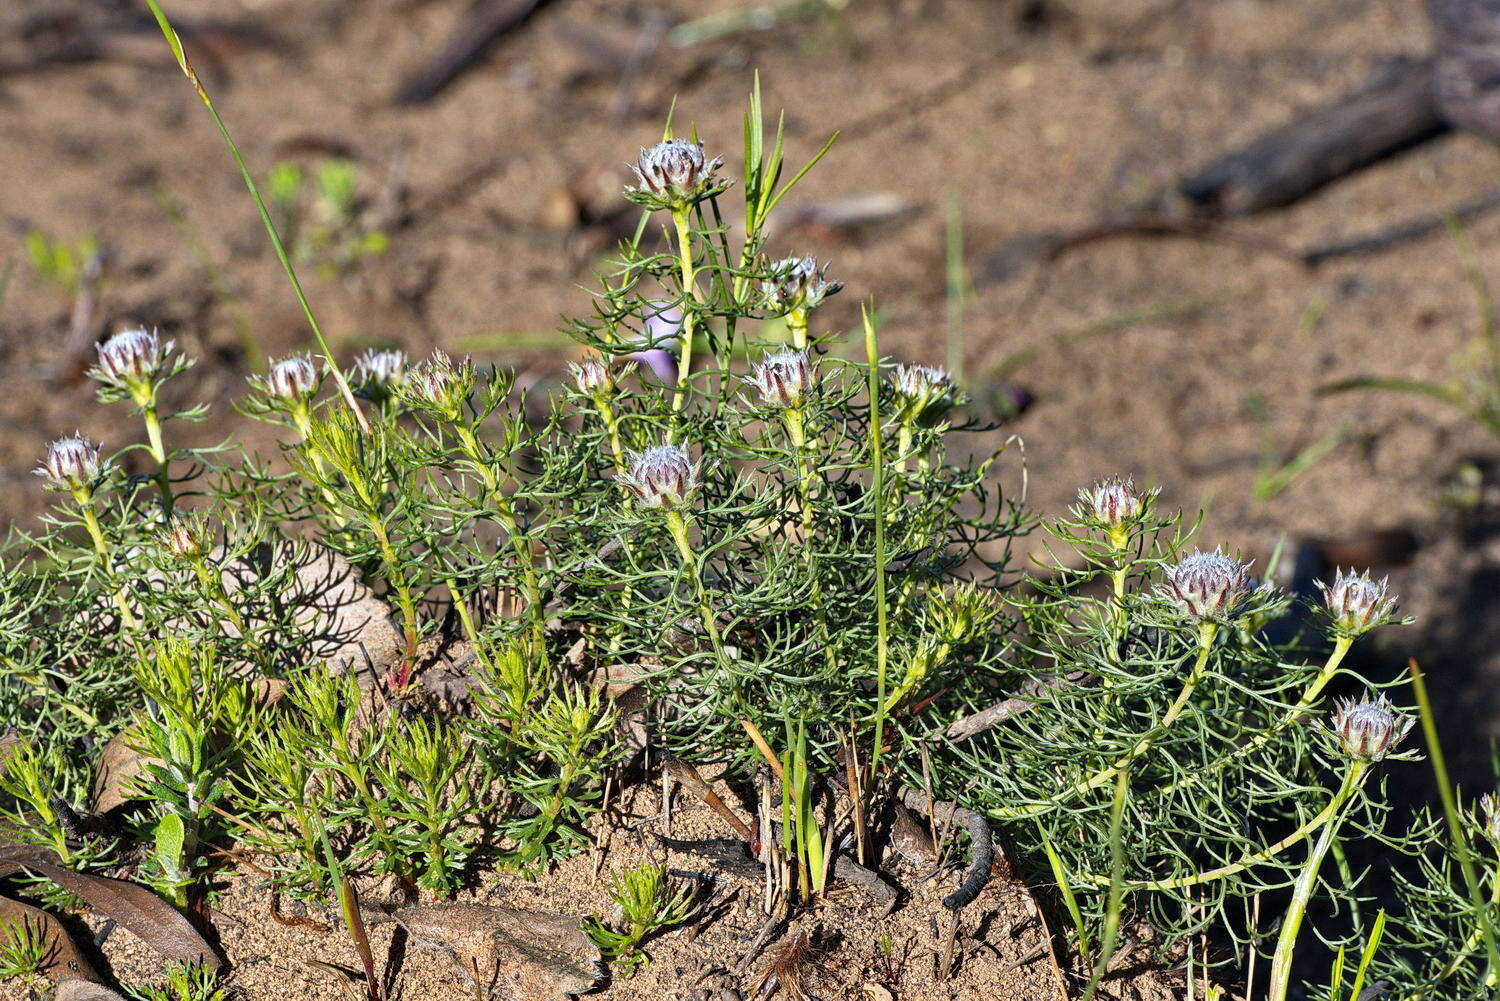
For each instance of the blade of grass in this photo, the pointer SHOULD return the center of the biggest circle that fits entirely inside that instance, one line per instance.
(1376, 931)
(958, 285)
(877, 485)
(175, 43)
(1455, 821)
(353, 919)
(1070, 901)
(1116, 886)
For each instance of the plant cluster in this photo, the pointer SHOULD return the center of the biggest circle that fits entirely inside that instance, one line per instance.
(1208, 754)
(798, 561)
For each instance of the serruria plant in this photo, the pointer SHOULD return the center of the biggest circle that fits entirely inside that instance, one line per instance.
(801, 561)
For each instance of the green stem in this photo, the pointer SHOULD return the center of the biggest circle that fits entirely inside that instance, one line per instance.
(102, 550)
(1455, 822)
(1470, 944)
(796, 322)
(677, 525)
(689, 319)
(616, 441)
(797, 433)
(1206, 632)
(175, 44)
(877, 488)
(1302, 891)
(903, 446)
(466, 621)
(159, 453)
(519, 541)
(213, 588)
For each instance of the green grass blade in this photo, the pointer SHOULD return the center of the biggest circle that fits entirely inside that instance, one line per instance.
(1376, 931)
(1455, 819)
(1070, 901)
(175, 44)
(1116, 902)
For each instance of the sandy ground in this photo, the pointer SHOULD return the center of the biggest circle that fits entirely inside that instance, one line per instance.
(1032, 116)
(859, 952)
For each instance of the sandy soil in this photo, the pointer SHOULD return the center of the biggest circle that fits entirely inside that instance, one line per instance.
(860, 953)
(1034, 116)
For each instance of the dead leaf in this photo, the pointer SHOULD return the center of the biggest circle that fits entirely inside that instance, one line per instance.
(62, 960)
(876, 992)
(136, 908)
(534, 955)
(120, 765)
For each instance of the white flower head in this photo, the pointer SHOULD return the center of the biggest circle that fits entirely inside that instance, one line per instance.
(378, 374)
(925, 392)
(595, 378)
(796, 283)
(1113, 502)
(71, 463)
(133, 363)
(1357, 603)
(784, 379)
(1489, 817)
(675, 174)
(292, 381)
(440, 385)
(1369, 729)
(1208, 587)
(663, 477)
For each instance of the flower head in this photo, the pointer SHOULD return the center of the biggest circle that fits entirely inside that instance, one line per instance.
(133, 363)
(1113, 502)
(783, 379)
(1357, 604)
(441, 386)
(796, 283)
(594, 377)
(1208, 587)
(675, 174)
(1489, 817)
(292, 381)
(378, 374)
(662, 477)
(185, 539)
(71, 463)
(926, 392)
(1367, 730)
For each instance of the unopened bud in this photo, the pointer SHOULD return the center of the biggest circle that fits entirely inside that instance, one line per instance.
(796, 283)
(441, 386)
(293, 381)
(1208, 586)
(674, 174)
(926, 392)
(133, 362)
(71, 463)
(1368, 730)
(662, 477)
(1489, 818)
(595, 378)
(964, 611)
(378, 374)
(1357, 603)
(1113, 502)
(185, 539)
(783, 379)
